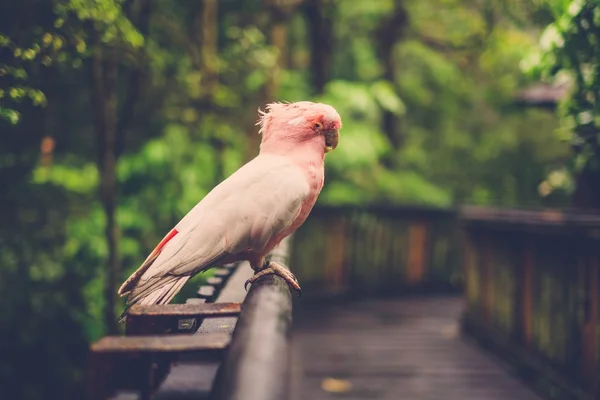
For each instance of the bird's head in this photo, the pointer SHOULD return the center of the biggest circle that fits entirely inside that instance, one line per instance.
(290, 124)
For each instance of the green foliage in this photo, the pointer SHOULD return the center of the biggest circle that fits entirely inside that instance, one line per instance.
(11, 116)
(568, 54)
(15, 72)
(458, 137)
(456, 75)
(108, 19)
(64, 41)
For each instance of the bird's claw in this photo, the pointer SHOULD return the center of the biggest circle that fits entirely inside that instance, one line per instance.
(279, 270)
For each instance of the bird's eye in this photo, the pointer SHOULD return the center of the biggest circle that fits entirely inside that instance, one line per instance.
(318, 125)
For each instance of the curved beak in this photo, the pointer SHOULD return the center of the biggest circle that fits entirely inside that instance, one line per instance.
(332, 139)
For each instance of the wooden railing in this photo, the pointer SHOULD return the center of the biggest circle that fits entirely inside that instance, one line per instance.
(225, 344)
(367, 250)
(531, 294)
(531, 289)
(177, 349)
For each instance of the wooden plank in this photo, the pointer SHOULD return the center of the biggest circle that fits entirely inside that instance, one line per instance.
(160, 344)
(175, 318)
(401, 349)
(222, 273)
(215, 281)
(207, 292)
(141, 362)
(207, 310)
(194, 300)
(232, 292)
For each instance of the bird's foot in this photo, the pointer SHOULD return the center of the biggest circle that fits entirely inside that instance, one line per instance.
(279, 270)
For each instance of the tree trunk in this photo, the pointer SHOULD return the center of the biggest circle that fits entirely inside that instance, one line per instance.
(210, 20)
(104, 100)
(319, 17)
(209, 41)
(111, 130)
(587, 190)
(135, 80)
(279, 13)
(278, 39)
(390, 32)
(205, 37)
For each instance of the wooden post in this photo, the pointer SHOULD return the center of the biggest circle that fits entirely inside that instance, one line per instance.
(337, 260)
(486, 276)
(527, 294)
(470, 271)
(590, 320)
(417, 236)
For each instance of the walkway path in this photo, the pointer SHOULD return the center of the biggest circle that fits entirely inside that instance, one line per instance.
(408, 349)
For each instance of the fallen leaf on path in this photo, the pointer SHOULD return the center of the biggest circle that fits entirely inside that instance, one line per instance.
(333, 385)
(450, 331)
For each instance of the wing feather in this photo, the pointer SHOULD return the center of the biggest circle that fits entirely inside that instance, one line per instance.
(243, 213)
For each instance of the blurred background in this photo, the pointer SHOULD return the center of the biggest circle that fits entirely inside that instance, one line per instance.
(117, 116)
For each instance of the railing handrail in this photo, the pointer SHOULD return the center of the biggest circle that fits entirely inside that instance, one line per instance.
(257, 364)
(252, 353)
(542, 218)
(387, 209)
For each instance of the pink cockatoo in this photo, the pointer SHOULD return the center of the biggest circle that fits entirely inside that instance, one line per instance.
(249, 213)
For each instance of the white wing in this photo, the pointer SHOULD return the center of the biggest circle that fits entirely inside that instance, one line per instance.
(242, 213)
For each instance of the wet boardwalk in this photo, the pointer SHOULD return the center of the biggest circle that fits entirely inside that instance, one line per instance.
(407, 349)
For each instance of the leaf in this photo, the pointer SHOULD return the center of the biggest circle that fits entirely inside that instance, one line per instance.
(333, 385)
(388, 99)
(11, 116)
(449, 331)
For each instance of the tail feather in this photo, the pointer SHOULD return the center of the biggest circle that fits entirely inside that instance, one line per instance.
(173, 291)
(130, 283)
(156, 290)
